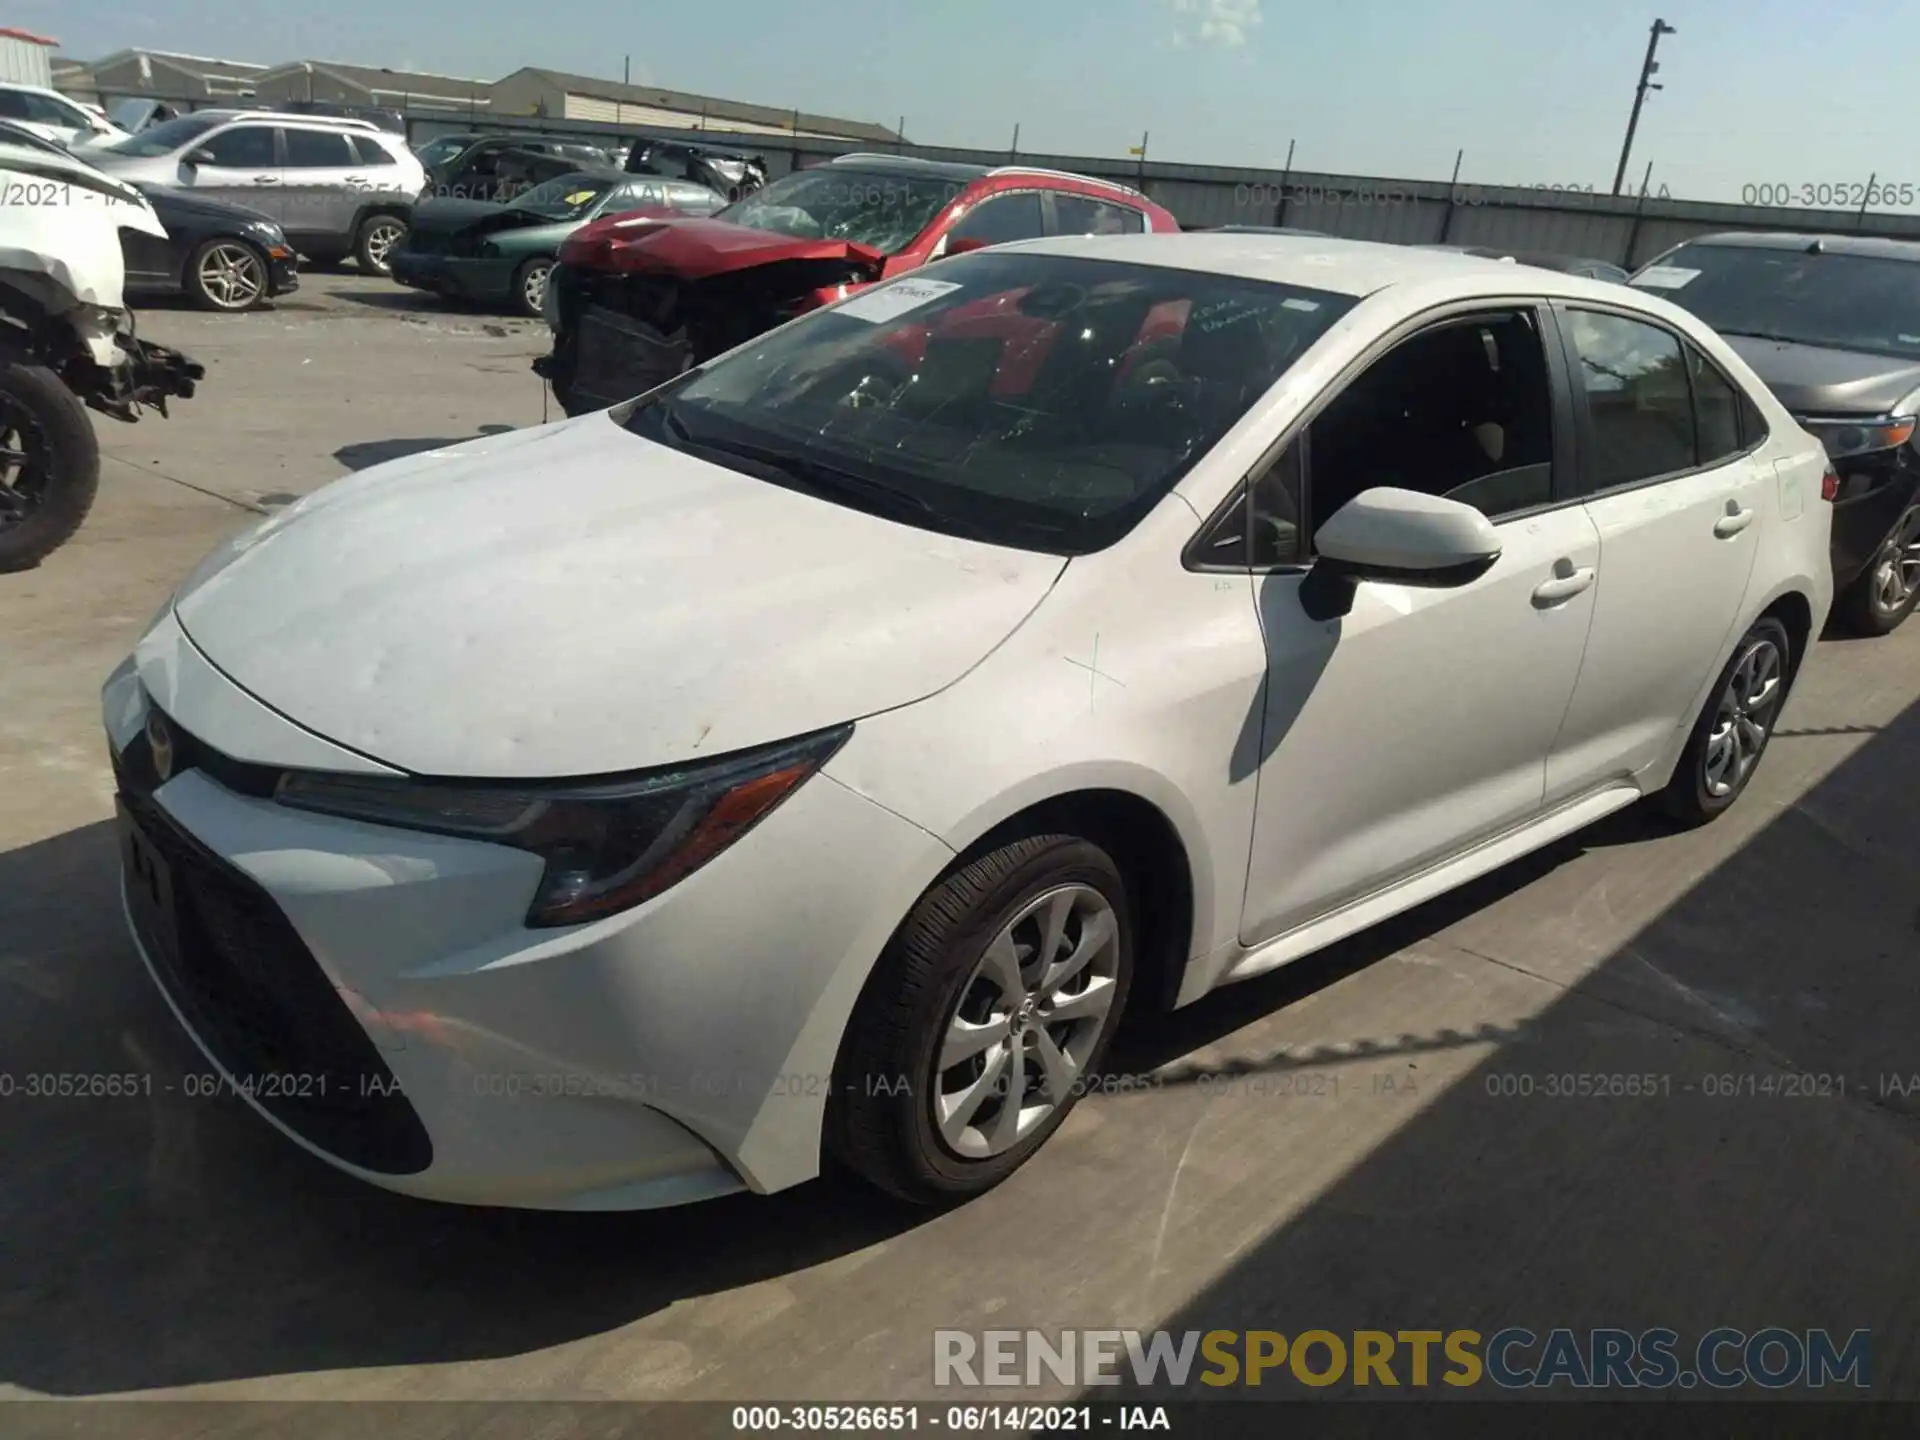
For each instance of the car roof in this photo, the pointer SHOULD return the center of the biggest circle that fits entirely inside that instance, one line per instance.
(1871, 245)
(1349, 267)
(910, 165)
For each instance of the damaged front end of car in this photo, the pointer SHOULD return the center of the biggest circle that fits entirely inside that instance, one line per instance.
(633, 303)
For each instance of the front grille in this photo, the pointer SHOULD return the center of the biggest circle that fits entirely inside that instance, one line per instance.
(425, 242)
(257, 998)
(617, 357)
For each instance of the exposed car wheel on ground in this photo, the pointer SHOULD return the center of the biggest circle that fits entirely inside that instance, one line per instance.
(226, 275)
(49, 464)
(530, 285)
(975, 1034)
(1732, 732)
(1885, 595)
(379, 236)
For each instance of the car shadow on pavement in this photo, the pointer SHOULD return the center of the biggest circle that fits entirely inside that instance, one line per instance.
(161, 1238)
(1707, 1118)
(369, 453)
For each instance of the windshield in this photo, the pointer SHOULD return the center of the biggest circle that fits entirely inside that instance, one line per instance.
(868, 207)
(1036, 401)
(445, 148)
(166, 137)
(1845, 302)
(566, 198)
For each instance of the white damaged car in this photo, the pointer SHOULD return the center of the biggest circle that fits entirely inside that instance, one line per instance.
(67, 342)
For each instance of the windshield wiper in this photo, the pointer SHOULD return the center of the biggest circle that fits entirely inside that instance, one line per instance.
(814, 474)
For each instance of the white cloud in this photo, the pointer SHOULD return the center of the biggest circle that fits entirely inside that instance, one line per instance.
(1225, 23)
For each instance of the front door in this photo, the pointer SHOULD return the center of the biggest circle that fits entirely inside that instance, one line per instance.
(1679, 502)
(241, 166)
(1420, 723)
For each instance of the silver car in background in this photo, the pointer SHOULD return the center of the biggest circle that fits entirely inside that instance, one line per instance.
(337, 187)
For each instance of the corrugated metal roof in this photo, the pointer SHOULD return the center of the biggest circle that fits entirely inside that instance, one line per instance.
(8, 32)
(711, 106)
(371, 77)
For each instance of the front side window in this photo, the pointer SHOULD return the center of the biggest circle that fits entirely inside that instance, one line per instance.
(1640, 414)
(875, 208)
(245, 147)
(49, 111)
(1038, 401)
(1000, 218)
(1463, 410)
(1083, 215)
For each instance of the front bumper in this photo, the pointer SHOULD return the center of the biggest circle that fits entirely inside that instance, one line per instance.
(455, 276)
(681, 1050)
(283, 274)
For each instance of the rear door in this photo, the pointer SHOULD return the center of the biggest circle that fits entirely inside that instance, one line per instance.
(323, 182)
(1679, 501)
(1085, 215)
(242, 166)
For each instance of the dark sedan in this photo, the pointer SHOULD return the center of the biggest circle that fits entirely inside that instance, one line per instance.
(1832, 324)
(220, 256)
(1543, 260)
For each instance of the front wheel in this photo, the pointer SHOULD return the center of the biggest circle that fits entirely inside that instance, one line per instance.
(1885, 595)
(981, 1023)
(227, 275)
(530, 285)
(1732, 732)
(379, 236)
(49, 464)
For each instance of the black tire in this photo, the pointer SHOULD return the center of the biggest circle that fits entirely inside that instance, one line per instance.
(1690, 798)
(195, 283)
(1862, 609)
(880, 1121)
(48, 493)
(376, 240)
(519, 300)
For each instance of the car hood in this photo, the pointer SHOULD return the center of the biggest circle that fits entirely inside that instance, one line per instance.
(168, 202)
(573, 600)
(1815, 380)
(693, 249)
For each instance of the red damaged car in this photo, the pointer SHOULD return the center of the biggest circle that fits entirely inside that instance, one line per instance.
(635, 300)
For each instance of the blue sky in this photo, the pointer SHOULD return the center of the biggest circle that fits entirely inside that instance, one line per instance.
(1760, 91)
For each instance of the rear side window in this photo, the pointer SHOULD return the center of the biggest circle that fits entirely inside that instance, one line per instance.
(318, 149)
(1082, 215)
(1716, 409)
(369, 151)
(1639, 408)
(1753, 425)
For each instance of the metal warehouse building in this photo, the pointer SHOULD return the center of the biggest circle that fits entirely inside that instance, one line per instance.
(343, 84)
(558, 96)
(162, 74)
(26, 58)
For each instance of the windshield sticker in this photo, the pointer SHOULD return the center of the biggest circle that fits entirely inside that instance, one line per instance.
(1297, 304)
(579, 197)
(1665, 277)
(878, 306)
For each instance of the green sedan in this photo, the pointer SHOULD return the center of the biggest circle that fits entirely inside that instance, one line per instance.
(501, 254)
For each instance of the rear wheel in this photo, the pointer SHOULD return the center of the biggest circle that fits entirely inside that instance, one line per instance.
(1885, 595)
(378, 237)
(1732, 732)
(49, 464)
(976, 1032)
(530, 285)
(226, 275)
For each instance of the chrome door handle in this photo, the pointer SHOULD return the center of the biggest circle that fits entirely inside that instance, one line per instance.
(1565, 584)
(266, 179)
(1734, 521)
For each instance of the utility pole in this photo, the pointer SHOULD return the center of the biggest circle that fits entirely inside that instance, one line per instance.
(1648, 69)
(626, 70)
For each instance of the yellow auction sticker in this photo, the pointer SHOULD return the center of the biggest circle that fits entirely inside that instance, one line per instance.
(579, 197)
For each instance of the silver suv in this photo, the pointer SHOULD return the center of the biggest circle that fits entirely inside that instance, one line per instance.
(337, 187)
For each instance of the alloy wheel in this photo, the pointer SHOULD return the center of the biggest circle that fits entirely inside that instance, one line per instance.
(533, 287)
(26, 466)
(1897, 574)
(382, 237)
(1744, 717)
(231, 276)
(1029, 1017)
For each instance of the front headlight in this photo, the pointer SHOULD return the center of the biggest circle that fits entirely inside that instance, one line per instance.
(608, 845)
(1843, 437)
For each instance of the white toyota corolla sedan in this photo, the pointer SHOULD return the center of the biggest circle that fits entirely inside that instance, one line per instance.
(811, 759)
